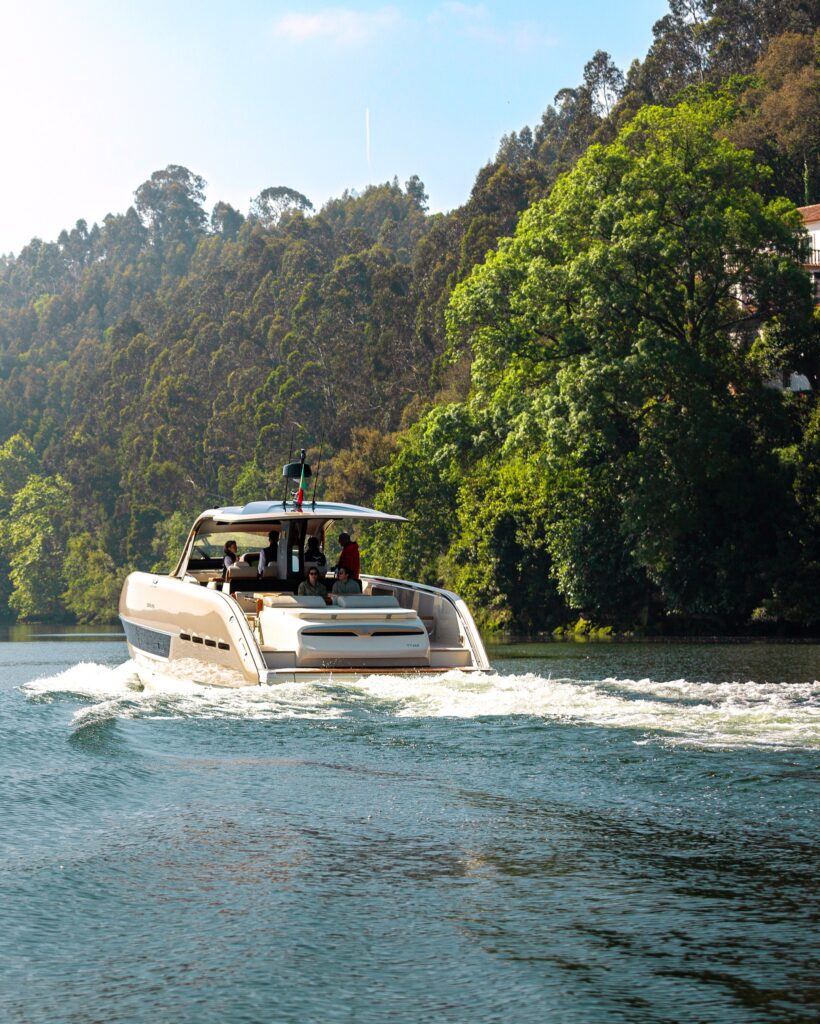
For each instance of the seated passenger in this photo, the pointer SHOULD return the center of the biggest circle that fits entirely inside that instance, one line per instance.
(314, 555)
(268, 555)
(345, 584)
(313, 587)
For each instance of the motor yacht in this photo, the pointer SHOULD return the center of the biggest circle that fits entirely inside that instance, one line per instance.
(246, 624)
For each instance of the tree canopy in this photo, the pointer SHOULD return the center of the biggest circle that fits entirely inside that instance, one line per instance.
(615, 366)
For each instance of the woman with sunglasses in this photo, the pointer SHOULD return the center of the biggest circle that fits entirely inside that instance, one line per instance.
(312, 586)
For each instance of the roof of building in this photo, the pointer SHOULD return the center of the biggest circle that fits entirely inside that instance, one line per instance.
(810, 213)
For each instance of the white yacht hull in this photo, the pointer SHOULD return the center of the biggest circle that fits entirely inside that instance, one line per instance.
(174, 626)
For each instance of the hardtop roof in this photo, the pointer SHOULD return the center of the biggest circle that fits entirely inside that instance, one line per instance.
(276, 511)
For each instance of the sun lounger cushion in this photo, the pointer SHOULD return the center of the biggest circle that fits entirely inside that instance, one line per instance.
(365, 601)
(291, 601)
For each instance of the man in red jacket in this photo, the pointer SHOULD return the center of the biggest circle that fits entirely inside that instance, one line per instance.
(349, 558)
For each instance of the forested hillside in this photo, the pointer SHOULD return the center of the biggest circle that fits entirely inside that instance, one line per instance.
(569, 405)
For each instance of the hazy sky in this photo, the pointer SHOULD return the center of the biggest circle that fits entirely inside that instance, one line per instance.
(100, 93)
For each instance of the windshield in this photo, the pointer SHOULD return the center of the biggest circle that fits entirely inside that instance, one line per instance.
(208, 549)
(212, 545)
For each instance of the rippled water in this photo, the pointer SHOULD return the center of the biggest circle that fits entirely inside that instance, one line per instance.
(619, 833)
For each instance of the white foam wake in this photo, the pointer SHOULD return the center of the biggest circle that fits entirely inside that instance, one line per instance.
(705, 714)
(122, 692)
(709, 714)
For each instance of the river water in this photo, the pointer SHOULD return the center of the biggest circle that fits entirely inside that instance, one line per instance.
(618, 832)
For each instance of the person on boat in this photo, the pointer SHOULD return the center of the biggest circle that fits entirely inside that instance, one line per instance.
(229, 555)
(268, 555)
(314, 555)
(349, 557)
(345, 584)
(313, 586)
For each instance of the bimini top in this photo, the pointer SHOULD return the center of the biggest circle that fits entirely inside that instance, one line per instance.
(276, 511)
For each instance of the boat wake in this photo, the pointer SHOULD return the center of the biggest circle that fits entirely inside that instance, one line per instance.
(719, 715)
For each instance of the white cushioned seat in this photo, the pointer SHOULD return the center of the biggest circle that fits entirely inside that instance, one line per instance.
(365, 601)
(291, 601)
(240, 571)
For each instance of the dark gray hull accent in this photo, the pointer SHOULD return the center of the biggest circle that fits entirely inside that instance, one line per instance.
(151, 641)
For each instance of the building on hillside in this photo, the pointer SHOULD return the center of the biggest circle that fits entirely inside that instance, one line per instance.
(799, 382)
(811, 218)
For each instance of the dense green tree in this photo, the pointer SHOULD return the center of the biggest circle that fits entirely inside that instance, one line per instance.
(34, 545)
(352, 474)
(499, 556)
(225, 220)
(604, 82)
(18, 461)
(273, 203)
(796, 592)
(701, 41)
(422, 482)
(780, 115)
(171, 204)
(566, 129)
(92, 580)
(414, 187)
(679, 55)
(516, 148)
(169, 539)
(382, 213)
(614, 334)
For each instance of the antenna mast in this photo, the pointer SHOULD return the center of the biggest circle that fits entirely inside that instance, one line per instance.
(318, 470)
(287, 481)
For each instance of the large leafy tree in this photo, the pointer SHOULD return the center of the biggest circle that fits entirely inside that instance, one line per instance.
(18, 461)
(92, 580)
(35, 543)
(171, 203)
(422, 482)
(273, 203)
(604, 81)
(613, 339)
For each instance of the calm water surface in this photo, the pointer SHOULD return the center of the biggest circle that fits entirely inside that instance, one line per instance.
(592, 833)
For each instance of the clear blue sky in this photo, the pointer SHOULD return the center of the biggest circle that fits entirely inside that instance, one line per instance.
(100, 93)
